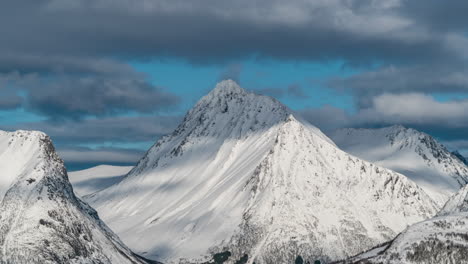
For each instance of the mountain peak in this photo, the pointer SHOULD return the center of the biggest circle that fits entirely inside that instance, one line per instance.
(228, 87)
(239, 172)
(410, 152)
(42, 221)
(397, 127)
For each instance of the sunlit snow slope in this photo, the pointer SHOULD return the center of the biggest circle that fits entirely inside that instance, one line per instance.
(94, 179)
(410, 152)
(242, 174)
(442, 239)
(41, 220)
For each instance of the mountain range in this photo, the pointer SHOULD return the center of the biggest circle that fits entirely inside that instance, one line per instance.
(242, 179)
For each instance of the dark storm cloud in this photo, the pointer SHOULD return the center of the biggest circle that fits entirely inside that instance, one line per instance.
(10, 102)
(66, 87)
(421, 78)
(23, 63)
(111, 129)
(210, 31)
(8, 98)
(438, 15)
(66, 59)
(67, 96)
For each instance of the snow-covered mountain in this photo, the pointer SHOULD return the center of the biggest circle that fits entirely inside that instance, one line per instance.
(410, 152)
(94, 179)
(442, 239)
(41, 220)
(243, 177)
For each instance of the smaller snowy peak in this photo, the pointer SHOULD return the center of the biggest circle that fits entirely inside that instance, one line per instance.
(391, 133)
(458, 203)
(399, 137)
(415, 154)
(404, 137)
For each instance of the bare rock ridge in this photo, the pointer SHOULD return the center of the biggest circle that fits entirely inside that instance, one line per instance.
(241, 174)
(41, 219)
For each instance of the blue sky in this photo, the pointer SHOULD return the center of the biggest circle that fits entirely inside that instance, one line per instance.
(106, 79)
(191, 81)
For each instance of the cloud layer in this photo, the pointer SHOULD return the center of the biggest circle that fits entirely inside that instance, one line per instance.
(68, 60)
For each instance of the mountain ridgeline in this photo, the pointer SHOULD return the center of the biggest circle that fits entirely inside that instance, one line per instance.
(415, 154)
(242, 174)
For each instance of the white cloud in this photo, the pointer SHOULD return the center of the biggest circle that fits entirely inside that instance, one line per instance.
(415, 108)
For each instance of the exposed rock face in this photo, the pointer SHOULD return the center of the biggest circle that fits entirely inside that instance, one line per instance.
(412, 153)
(241, 174)
(41, 220)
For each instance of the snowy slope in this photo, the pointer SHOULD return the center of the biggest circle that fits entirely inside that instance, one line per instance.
(41, 220)
(410, 152)
(242, 174)
(94, 179)
(442, 239)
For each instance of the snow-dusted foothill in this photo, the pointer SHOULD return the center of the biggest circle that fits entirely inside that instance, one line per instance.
(41, 220)
(242, 175)
(442, 239)
(414, 154)
(97, 178)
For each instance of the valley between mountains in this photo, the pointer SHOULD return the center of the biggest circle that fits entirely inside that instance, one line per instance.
(242, 179)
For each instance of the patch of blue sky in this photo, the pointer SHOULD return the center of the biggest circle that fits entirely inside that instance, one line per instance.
(191, 82)
(141, 145)
(19, 115)
(447, 97)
